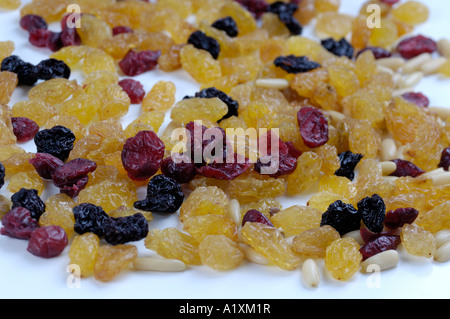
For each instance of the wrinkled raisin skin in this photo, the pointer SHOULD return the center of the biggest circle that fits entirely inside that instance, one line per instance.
(18, 223)
(445, 159)
(89, 218)
(295, 64)
(57, 141)
(400, 216)
(45, 164)
(228, 25)
(126, 229)
(47, 241)
(348, 162)
(211, 92)
(179, 167)
(29, 199)
(313, 126)
(285, 12)
(52, 68)
(26, 72)
(373, 211)
(338, 48)
(342, 217)
(72, 177)
(203, 42)
(2, 175)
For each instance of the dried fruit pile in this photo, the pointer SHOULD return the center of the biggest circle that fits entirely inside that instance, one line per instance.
(336, 115)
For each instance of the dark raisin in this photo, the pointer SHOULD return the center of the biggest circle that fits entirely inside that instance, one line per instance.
(134, 89)
(400, 216)
(142, 155)
(229, 168)
(295, 64)
(373, 212)
(445, 159)
(52, 68)
(348, 162)
(378, 52)
(121, 29)
(164, 195)
(406, 168)
(18, 223)
(31, 22)
(45, 164)
(342, 217)
(313, 126)
(72, 177)
(255, 216)
(417, 98)
(24, 128)
(57, 141)
(135, 63)
(203, 42)
(256, 7)
(29, 199)
(378, 245)
(26, 72)
(47, 241)
(179, 167)
(211, 92)
(338, 48)
(2, 175)
(126, 229)
(228, 25)
(39, 37)
(413, 46)
(89, 218)
(285, 12)
(276, 165)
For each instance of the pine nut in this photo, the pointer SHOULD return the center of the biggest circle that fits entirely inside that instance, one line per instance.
(356, 235)
(384, 69)
(433, 65)
(392, 63)
(279, 84)
(443, 253)
(388, 149)
(411, 80)
(385, 260)
(442, 237)
(234, 211)
(415, 63)
(310, 272)
(336, 116)
(388, 167)
(158, 264)
(442, 112)
(441, 179)
(439, 170)
(444, 47)
(252, 255)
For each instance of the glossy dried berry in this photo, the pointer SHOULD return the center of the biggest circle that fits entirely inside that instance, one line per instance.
(57, 141)
(47, 241)
(348, 162)
(378, 52)
(228, 25)
(142, 155)
(164, 195)
(89, 218)
(121, 230)
(26, 72)
(400, 216)
(342, 217)
(256, 7)
(31, 22)
(295, 64)
(313, 126)
(203, 42)
(417, 98)
(406, 168)
(276, 167)
(416, 45)
(338, 48)
(135, 63)
(227, 169)
(72, 177)
(39, 37)
(2, 175)
(134, 89)
(179, 167)
(285, 12)
(378, 245)
(29, 199)
(24, 128)
(445, 159)
(211, 92)
(256, 216)
(373, 211)
(18, 223)
(45, 164)
(52, 68)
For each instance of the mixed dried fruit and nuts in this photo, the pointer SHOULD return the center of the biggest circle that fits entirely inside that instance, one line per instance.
(339, 115)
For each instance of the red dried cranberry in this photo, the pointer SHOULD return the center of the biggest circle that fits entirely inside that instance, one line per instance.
(31, 22)
(142, 155)
(69, 37)
(400, 216)
(230, 168)
(121, 29)
(406, 168)
(417, 98)
(135, 63)
(256, 7)
(378, 52)
(416, 45)
(18, 223)
(255, 216)
(390, 2)
(47, 241)
(313, 126)
(179, 167)
(54, 41)
(72, 177)
(39, 37)
(368, 236)
(276, 165)
(134, 89)
(24, 128)
(445, 159)
(270, 144)
(378, 245)
(74, 189)
(45, 164)
(292, 150)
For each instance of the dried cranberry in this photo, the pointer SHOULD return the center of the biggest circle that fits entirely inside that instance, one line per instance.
(390, 2)
(72, 177)
(134, 89)
(292, 150)
(276, 165)
(39, 37)
(373, 211)
(400, 216)
(69, 37)
(378, 52)
(29, 199)
(45, 164)
(135, 63)
(378, 245)
(179, 167)
(142, 155)
(31, 22)
(121, 29)
(295, 64)
(18, 223)
(228, 169)
(270, 144)
(406, 168)
(54, 41)
(256, 7)
(228, 25)
(255, 216)
(416, 45)
(24, 128)
(417, 98)
(445, 159)
(203, 42)
(313, 126)
(368, 236)
(47, 241)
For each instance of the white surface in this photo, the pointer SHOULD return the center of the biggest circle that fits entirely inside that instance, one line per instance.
(23, 275)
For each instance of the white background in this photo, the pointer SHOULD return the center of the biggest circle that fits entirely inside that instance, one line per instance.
(23, 275)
